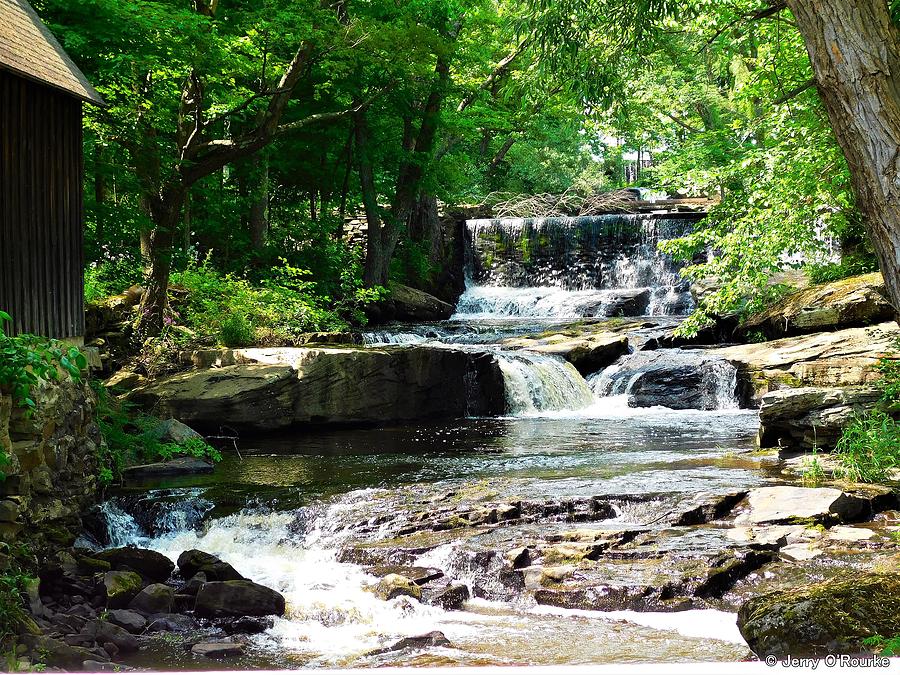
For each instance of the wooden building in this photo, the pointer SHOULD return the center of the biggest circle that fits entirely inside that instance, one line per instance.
(41, 172)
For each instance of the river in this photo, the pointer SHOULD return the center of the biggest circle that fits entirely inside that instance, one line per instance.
(285, 509)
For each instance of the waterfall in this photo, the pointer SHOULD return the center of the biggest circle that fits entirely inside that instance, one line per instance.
(574, 267)
(672, 378)
(539, 383)
(131, 520)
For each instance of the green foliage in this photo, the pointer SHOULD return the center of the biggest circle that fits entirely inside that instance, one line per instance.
(884, 646)
(26, 360)
(229, 307)
(812, 474)
(849, 266)
(133, 438)
(869, 449)
(111, 277)
(13, 582)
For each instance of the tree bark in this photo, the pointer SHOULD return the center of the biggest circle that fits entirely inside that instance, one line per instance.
(258, 216)
(854, 47)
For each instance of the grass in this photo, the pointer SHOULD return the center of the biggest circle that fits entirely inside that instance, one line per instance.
(812, 474)
(869, 449)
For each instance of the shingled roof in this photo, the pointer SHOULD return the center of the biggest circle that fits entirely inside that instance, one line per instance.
(28, 48)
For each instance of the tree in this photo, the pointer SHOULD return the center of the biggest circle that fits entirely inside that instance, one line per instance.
(854, 46)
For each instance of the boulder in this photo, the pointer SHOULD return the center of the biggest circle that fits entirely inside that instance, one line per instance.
(833, 617)
(837, 359)
(125, 380)
(811, 417)
(237, 598)
(588, 354)
(170, 623)
(450, 597)
(281, 387)
(56, 653)
(192, 585)
(432, 639)
(785, 504)
(150, 564)
(180, 466)
(626, 302)
(250, 395)
(218, 650)
(410, 304)
(127, 619)
(105, 632)
(673, 378)
(193, 562)
(155, 599)
(121, 587)
(394, 585)
(173, 431)
(847, 303)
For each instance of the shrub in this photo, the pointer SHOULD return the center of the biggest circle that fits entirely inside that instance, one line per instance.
(111, 277)
(236, 331)
(869, 448)
(13, 582)
(849, 266)
(132, 437)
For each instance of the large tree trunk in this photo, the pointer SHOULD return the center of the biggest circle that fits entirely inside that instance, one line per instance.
(855, 51)
(166, 213)
(258, 216)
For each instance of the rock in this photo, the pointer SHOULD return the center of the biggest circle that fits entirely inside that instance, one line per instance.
(418, 575)
(192, 587)
(93, 666)
(237, 598)
(173, 431)
(155, 599)
(57, 654)
(252, 396)
(450, 597)
(245, 625)
(121, 588)
(153, 565)
(800, 552)
(673, 378)
(410, 304)
(127, 619)
(194, 562)
(393, 586)
(519, 557)
(833, 617)
(785, 504)
(106, 632)
(857, 301)
(588, 354)
(278, 388)
(218, 650)
(626, 302)
(170, 623)
(705, 508)
(180, 466)
(125, 380)
(432, 639)
(843, 533)
(811, 417)
(843, 358)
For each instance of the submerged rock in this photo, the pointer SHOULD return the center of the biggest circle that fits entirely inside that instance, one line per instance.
(833, 617)
(127, 619)
(237, 598)
(218, 650)
(180, 466)
(394, 586)
(432, 639)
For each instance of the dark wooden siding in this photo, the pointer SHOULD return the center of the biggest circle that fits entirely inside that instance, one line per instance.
(41, 209)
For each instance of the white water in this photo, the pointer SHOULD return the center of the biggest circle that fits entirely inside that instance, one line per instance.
(538, 383)
(484, 302)
(333, 620)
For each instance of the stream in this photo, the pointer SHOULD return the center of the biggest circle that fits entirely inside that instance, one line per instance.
(286, 510)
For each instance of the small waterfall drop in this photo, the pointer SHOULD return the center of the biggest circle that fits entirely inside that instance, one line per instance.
(672, 378)
(538, 383)
(574, 267)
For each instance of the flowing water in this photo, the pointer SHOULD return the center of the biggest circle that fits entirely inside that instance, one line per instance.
(283, 511)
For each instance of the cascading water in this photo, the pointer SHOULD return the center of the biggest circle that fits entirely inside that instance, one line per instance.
(574, 267)
(538, 383)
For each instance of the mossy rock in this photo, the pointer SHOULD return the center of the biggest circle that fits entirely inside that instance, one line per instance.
(833, 617)
(121, 587)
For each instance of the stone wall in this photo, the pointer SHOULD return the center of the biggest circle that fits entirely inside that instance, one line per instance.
(52, 474)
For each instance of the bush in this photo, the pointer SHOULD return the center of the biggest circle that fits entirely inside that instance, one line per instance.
(13, 582)
(132, 438)
(850, 266)
(869, 448)
(229, 307)
(111, 277)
